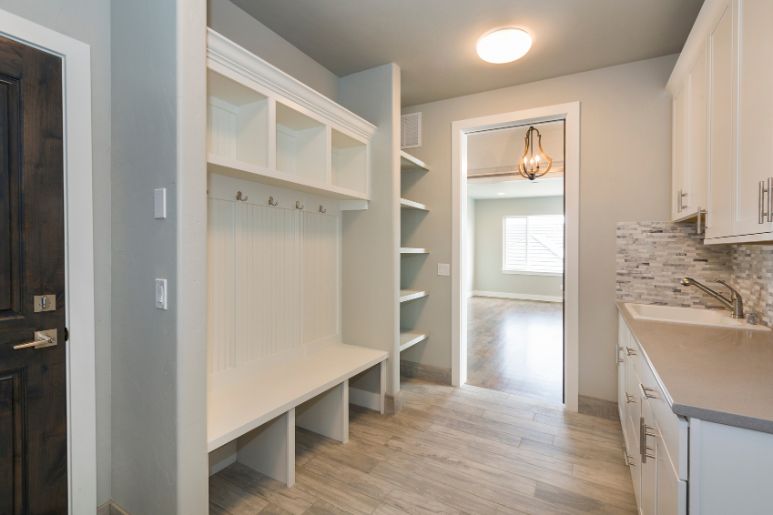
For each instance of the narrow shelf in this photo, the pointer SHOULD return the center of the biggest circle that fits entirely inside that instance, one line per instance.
(234, 167)
(409, 339)
(409, 295)
(413, 250)
(410, 204)
(409, 162)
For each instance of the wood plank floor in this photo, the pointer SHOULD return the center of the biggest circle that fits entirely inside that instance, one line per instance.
(449, 450)
(516, 346)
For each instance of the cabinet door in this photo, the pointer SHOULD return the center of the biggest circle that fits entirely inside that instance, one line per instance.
(696, 171)
(679, 192)
(672, 491)
(755, 115)
(722, 165)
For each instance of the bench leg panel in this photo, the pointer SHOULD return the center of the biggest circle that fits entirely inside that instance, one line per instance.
(270, 449)
(327, 414)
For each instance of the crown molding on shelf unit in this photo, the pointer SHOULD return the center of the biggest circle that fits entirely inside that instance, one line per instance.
(274, 82)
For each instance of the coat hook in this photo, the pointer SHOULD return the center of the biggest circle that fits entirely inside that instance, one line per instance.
(298, 204)
(241, 196)
(322, 209)
(272, 202)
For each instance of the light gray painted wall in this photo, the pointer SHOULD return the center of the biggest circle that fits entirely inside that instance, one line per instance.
(89, 22)
(370, 237)
(625, 161)
(231, 21)
(488, 246)
(144, 148)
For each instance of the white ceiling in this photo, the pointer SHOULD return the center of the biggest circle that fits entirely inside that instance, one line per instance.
(433, 41)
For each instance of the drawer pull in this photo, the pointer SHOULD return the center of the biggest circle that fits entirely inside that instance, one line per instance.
(629, 398)
(649, 393)
(630, 352)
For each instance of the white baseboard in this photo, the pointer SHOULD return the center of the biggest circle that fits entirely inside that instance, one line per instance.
(364, 398)
(516, 296)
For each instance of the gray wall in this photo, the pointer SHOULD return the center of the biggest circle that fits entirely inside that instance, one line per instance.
(488, 246)
(144, 157)
(89, 21)
(230, 20)
(626, 168)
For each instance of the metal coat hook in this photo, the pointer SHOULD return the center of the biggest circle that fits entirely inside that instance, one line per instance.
(298, 204)
(272, 202)
(241, 196)
(322, 209)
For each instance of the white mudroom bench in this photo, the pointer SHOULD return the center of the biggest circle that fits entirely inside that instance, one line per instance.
(252, 414)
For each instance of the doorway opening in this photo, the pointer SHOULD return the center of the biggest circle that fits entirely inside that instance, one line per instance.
(515, 275)
(520, 345)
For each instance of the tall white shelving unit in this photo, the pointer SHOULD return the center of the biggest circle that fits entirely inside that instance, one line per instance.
(411, 211)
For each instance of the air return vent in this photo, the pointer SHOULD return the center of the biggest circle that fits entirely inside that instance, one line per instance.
(410, 125)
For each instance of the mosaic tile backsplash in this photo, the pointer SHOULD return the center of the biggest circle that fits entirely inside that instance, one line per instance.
(653, 256)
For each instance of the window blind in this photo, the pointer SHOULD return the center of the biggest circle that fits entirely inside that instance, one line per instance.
(533, 243)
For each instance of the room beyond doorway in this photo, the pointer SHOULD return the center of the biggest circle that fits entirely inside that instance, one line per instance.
(515, 251)
(460, 287)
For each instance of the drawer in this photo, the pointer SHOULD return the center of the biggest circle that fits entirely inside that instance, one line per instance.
(673, 428)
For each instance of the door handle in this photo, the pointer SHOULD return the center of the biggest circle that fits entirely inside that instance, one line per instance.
(42, 339)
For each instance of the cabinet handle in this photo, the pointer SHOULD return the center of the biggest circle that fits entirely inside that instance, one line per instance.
(644, 432)
(764, 206)
(680, 200)
(629, 399)
(770, 199)
(630, 352)
(648, 392)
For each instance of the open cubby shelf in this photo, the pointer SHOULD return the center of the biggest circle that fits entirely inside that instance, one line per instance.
(289, 136)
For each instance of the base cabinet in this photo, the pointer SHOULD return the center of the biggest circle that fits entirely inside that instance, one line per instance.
(724, 469)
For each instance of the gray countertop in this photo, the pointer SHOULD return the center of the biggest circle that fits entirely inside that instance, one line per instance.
(714, 374)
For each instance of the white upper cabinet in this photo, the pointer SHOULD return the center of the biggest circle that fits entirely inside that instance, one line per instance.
(752, 201)
(722, 166)
(733, 42)
(690, 141)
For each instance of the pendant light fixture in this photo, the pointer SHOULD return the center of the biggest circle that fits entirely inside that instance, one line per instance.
(534, 161)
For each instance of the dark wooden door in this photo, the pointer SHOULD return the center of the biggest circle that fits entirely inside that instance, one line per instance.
(33, 409)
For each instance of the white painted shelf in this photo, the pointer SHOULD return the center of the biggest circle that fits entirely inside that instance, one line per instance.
(244, 170)
(409, 339)
(410, 204)
(413, 250)
(411, 163)
(409, 295)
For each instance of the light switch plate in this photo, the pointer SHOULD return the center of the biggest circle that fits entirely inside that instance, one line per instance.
(159, 203)
(444, 269)
(161, 294)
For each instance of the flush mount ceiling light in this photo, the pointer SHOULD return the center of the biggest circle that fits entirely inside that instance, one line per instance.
(505, 45)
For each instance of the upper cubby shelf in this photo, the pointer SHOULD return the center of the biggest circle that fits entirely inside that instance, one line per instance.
(411, 163)
(267, 126)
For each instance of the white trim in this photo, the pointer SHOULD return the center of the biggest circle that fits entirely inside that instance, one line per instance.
(529, 272)
(516, 296)
(191, 288)
(569, 112)
(79, 253)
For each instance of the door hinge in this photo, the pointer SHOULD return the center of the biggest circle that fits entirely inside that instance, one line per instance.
(66, 334)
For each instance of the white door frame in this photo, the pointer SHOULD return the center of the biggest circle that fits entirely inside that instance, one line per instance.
(79, 252)
(569, 112)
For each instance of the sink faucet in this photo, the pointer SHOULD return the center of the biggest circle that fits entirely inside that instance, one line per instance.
(734, 303)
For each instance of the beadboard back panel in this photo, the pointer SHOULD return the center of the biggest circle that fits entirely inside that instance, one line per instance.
(273, 281)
